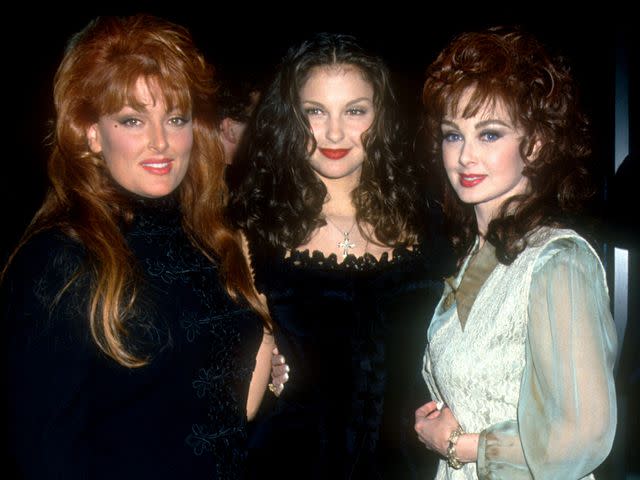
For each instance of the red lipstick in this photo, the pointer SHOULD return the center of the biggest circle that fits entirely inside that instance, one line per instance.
(334, 153)
(160, 166)
(471, 180)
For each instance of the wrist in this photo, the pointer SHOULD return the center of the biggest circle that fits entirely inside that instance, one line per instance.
(467, 447)
(451, 452)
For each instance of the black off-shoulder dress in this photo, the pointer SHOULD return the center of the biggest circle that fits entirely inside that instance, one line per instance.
(353, 334)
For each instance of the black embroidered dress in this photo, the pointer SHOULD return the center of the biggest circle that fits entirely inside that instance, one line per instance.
(351, 334)
(75, 413)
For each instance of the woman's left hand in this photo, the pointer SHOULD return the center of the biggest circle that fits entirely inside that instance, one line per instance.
(434, 426)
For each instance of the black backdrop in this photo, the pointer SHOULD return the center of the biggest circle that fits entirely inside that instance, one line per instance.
(246, 38)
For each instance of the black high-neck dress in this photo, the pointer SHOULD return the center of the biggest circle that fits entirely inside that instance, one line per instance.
(352, 334)
(74, 413)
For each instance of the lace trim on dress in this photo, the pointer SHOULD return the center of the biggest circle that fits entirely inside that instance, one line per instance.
(366, 262)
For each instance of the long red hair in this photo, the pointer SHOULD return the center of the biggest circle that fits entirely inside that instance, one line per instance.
(97, 76)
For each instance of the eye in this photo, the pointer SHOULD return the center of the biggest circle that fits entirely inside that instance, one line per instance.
(130, 122)
(490, 135)
(179, 121)
(451, 137)
(356, 111)
(313, 111)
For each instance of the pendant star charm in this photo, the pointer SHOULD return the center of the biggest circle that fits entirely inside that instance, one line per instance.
(346, 244)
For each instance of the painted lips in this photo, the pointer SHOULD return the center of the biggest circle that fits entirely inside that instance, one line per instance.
(334, 153)
(158, 167)
(471, 180)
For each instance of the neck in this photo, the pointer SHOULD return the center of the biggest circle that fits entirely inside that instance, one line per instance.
(483, 217)
(339, 202)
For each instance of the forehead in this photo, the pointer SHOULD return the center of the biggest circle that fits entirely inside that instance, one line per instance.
(143, 93)
(471, 105)
(146, 92)
(337, 80)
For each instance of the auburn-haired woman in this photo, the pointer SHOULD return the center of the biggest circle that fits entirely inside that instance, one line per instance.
(520, 351)
(131, 320)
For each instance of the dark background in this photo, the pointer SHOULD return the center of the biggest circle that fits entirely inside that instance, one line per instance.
(245, 39)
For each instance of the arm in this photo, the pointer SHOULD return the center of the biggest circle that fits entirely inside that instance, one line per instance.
(567, 410)
(262, 371)
(49, 357)
(261, 375)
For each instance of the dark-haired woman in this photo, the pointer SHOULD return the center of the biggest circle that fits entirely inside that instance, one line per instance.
(331, 206)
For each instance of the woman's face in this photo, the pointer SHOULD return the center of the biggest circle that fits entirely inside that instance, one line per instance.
(482, 158)
(147, 151)
(338, 102)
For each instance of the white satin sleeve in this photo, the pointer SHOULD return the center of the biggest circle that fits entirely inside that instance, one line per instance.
(567, 406)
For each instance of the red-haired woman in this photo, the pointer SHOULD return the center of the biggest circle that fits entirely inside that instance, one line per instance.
(131, 320)
(521, 347)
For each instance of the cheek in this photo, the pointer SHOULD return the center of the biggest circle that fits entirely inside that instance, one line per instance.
(508, 161)
(449, 160)
(316, 126)
(119, 152)
(358, 130)
(118, 145)
(316, 131)
(452, 176)
(450, 164)
(183, 141)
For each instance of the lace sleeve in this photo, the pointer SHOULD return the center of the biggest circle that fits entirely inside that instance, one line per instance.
(566, 410)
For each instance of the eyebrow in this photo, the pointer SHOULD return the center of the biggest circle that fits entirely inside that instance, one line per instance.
(478, 125)
(357, 100)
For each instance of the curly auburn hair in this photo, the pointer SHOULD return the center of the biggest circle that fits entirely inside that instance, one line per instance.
(96, 77)
(276, 195)
(509, 65)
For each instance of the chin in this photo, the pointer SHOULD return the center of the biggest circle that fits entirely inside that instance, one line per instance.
(158, 192)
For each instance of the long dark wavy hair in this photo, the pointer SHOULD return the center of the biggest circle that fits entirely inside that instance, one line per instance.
(509, 65)
(97, 76)
(276, 195)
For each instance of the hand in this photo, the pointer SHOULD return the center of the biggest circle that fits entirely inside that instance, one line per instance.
(279, 372)
(434, 426)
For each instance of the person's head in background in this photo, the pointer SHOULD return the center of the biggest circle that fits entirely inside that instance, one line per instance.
(235, 101)
(134, 102)
(288, 164)
(505, 86)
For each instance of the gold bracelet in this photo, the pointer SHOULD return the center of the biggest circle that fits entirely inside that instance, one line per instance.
(452, 458)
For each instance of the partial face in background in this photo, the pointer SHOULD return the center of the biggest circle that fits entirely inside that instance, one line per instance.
(338, 102)
(482, 158)
(147, 151)
(232, 129)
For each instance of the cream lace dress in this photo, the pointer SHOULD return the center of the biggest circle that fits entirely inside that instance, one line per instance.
(532, 370)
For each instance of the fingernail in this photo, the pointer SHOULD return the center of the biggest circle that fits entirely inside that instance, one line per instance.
(286, 368)
(286, 377)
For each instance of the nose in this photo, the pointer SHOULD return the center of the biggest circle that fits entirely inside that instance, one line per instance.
(335, 130)
(467, 154)
(157, 137)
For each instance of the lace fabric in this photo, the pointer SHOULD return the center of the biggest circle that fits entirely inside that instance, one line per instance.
(532, 370)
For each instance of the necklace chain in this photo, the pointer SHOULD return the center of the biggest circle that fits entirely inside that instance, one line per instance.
(346, 243)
